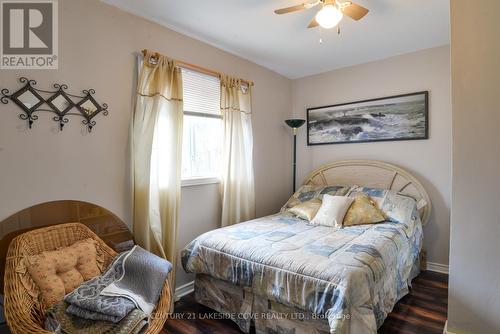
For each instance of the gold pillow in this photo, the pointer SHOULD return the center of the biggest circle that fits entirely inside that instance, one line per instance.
(58, 272)
(307, 210)
(363, 211)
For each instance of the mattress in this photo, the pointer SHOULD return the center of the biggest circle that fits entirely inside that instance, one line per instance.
(351, 277)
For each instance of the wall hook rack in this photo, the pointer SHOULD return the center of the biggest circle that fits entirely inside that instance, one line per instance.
(61, 103)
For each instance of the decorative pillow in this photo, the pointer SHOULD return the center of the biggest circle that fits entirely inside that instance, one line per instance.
(363, 211)
(376, 194)
(309, 192)
(59, 272)
(396, 207)
(400, 208)
(306, 210)
(332, 211)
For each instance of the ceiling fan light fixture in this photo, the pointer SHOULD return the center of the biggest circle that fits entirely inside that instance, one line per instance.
(329, 16)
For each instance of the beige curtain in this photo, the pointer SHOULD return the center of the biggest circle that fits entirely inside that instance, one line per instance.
(237, 186)
(157, 144)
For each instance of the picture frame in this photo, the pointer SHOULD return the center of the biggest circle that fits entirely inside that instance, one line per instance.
(391, 118)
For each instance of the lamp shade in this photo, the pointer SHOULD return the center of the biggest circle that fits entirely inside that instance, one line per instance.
(295, 123)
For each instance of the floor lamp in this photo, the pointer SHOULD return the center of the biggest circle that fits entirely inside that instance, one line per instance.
(294, 124)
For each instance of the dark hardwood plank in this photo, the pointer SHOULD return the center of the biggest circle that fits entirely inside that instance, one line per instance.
(191, 317)
(423, 310)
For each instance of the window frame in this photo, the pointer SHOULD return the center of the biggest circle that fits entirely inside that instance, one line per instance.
(198, 181)
(203, 180)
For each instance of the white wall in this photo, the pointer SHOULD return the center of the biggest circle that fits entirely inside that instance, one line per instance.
(474, 290)
(429, 160)
(97, 44)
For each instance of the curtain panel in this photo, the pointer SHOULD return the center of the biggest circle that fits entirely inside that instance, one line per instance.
(157, 156)
(237, 184)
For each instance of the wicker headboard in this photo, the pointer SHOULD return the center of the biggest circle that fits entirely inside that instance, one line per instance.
(375, 174)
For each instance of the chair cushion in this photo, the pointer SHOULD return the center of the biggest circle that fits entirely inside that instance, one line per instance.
(59, 272)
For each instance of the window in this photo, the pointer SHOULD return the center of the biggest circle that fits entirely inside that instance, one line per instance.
(202, 137)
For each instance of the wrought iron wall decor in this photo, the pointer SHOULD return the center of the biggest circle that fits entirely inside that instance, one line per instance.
(60, 102)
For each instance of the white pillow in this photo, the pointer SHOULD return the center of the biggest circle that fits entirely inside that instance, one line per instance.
(332, 210)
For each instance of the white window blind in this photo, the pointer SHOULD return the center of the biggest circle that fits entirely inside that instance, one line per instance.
(201, 92)
(202, 139)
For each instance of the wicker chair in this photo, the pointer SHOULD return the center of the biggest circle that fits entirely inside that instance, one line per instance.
(23, 311)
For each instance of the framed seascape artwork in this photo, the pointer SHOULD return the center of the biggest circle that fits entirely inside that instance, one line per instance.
(401, 117)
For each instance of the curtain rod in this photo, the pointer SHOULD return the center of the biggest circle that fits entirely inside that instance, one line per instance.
(198, 68)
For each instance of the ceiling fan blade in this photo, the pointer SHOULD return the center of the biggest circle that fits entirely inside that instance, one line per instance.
(290, 9)
(313, 23)
(355, 11)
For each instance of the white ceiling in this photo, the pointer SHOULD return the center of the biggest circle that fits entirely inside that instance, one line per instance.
(250, 29)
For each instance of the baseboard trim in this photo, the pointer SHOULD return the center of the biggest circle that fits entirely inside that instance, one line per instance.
(438, 267)
(446, 330)
(183, 290)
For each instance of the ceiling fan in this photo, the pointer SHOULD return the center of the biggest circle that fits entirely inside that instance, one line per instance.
(330, 14)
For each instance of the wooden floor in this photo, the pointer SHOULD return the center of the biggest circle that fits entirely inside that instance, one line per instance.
(423, 311)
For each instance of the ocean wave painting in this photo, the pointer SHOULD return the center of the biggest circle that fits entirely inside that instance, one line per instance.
(402, 117)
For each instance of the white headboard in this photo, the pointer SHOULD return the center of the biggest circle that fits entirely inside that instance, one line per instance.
(374, 174)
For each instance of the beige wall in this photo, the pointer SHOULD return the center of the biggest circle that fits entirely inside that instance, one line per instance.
(474, 292)
(97, 45)
(429, 160)
(195, 222)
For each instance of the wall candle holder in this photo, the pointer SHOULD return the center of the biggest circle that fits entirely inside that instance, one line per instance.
(60, 103)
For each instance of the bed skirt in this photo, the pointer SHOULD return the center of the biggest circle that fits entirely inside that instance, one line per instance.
(245, 308)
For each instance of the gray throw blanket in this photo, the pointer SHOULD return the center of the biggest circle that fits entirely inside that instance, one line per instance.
(86, 300)
(135, 279)
(142, 280)
(60, 322)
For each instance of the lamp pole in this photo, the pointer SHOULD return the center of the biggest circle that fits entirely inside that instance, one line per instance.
(295, 124)
(294, 163)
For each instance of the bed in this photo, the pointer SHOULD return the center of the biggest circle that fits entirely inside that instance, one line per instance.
(284, 275)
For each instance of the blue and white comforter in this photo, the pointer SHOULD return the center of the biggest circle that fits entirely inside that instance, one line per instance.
(352, 276)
